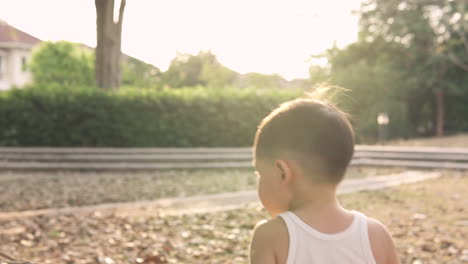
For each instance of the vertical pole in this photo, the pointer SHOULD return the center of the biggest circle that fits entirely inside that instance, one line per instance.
(385, 133)
(381, 134)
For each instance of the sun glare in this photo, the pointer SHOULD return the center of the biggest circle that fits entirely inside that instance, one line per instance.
(247, 36)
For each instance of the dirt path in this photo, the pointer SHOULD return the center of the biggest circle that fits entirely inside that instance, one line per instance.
(218, 202)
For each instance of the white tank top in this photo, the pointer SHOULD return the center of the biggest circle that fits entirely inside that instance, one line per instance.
(309, 246)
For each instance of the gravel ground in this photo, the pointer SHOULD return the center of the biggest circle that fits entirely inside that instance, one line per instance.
(39, 190)
(428, 221)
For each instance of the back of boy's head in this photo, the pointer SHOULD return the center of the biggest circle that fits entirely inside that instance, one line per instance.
(317, 134)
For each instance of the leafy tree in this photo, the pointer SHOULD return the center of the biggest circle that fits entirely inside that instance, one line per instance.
(200, 69)
(204, 69)
(214, 74)
(409, 61)
(319, 74)
(62, 63)
(140, 74)
(370, 72)
(184, 70)
(262, 81)
(434, 35)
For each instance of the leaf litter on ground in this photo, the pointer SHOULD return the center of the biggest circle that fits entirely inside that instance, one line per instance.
(422, 218)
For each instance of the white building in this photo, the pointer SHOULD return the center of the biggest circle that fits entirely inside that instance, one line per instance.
(15, 51)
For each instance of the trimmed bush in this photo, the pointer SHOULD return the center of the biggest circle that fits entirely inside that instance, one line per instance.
(190, 117)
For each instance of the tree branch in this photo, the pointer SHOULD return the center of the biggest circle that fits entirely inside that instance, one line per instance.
(121, 11)
(99, 9)
(457, 62)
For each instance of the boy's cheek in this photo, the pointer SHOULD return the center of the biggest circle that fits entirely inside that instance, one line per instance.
(262, 194)
(267, 198)
(260, 191)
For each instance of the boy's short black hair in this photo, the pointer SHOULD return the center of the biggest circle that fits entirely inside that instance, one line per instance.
(309, 129)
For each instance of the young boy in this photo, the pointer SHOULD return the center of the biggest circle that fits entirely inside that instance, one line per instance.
(302, 150)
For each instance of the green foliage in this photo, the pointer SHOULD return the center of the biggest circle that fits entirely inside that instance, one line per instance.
(202, 69)
(140, 74)
(53, 116)
(213, 74)
(62, 63)
(404, 56)
(375, 86)
(261, 81)
(457, 111)
(70, 64)
(319, 74)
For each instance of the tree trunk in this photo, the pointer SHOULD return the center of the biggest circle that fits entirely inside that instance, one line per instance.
(108, 48)
(440, 112)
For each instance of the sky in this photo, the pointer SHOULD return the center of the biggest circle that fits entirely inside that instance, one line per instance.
(266, 36)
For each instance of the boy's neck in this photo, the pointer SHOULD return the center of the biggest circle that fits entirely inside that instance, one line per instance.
(319, 208)
(317, 198)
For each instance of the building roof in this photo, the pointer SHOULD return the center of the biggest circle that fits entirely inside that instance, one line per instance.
(11, 34)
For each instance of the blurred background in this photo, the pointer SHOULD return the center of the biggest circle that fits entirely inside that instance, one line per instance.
(109, 106)
(226, 65)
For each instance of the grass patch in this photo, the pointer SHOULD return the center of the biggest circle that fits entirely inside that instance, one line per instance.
(39, 190)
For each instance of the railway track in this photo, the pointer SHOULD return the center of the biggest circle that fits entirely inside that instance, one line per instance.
(104, 159)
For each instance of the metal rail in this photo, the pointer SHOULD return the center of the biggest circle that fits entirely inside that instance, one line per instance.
(196, 158)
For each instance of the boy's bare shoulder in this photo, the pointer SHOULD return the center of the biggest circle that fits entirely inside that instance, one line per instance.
(276, 225)
(274, 230)
(270, 242)
(376, 228)
(382, 245)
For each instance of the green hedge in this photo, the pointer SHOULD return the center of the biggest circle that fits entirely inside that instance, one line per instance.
(48, 116)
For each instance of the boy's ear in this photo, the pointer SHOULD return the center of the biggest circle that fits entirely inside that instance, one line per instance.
(285, 170)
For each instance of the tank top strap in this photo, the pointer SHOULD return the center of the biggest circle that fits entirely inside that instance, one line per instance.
(293, 236)
(364, 237)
